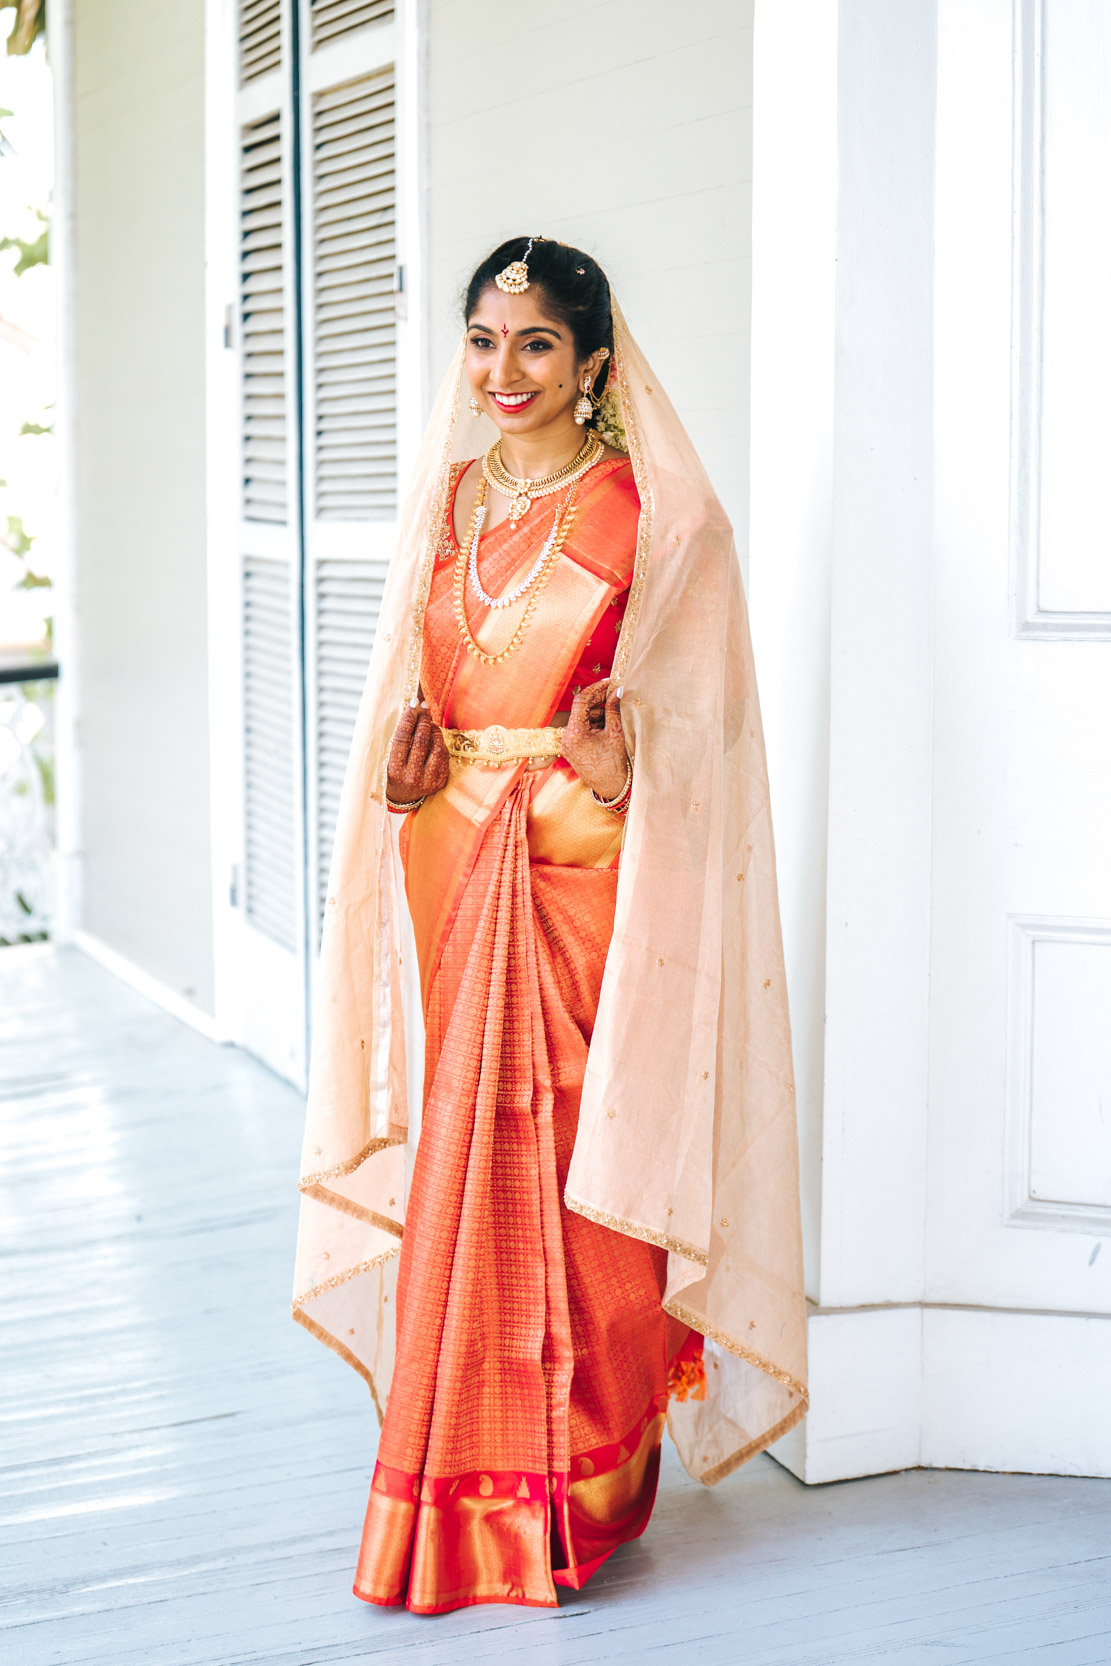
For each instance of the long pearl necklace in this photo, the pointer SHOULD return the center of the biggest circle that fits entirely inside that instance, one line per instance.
(539, 575)
(533, 573)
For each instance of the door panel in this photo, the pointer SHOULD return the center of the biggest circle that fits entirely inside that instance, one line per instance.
(1020, 1159)
(350, 305)
(269, 890)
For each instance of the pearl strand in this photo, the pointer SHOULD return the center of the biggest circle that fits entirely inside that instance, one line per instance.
(533, 573)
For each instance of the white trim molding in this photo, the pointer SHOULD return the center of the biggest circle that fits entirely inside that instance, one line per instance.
(69, 853)
(1030, 617)
(151, 987)
(939, 1387)
(1020, 1205)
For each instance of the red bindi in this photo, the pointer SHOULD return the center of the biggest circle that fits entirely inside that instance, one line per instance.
(504, 331)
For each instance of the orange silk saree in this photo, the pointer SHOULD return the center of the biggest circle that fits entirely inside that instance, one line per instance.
(514, 1304)
(521, 1440)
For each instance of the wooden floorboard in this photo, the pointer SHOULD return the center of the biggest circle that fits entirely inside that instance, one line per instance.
(183, 1471)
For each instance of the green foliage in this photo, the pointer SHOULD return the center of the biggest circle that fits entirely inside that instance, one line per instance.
(18, 542)
(16, 539)
(30, 22)
(35, 253)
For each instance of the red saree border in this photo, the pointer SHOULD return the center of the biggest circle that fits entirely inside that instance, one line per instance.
(457, 1520)
(520, 1484)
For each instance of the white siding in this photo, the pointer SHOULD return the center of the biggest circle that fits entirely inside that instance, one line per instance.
(138, 201)
(626, 130)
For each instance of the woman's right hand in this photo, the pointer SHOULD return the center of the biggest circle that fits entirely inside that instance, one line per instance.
(418, 763)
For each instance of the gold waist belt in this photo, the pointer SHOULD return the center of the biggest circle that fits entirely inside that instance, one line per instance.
(495, 745)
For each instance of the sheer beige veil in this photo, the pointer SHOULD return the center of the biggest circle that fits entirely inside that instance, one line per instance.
(687, 1127)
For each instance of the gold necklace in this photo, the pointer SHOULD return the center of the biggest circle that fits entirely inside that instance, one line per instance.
(522, 492)
(470, 547)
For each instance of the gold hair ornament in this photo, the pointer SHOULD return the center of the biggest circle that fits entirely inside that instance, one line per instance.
(513, 279)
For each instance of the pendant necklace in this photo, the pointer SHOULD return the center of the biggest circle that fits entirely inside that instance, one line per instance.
(522, 492)
(538, 575)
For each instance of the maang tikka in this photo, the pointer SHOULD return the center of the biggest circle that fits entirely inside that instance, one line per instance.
(513, 279)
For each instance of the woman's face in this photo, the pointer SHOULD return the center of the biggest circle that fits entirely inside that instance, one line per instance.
(521, 364)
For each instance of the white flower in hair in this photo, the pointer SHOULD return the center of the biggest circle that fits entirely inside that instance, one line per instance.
(608, 422)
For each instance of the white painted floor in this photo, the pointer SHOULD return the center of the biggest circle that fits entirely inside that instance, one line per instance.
(184, 1470)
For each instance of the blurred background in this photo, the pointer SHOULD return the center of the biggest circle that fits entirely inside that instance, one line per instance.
(866, 245)
(28, 490)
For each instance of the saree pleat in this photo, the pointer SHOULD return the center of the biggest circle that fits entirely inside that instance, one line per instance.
(521, 1440)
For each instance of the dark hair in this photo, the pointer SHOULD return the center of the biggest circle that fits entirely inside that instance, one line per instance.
(576, 292)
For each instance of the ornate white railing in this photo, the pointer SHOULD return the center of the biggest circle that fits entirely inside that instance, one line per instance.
(26, 802)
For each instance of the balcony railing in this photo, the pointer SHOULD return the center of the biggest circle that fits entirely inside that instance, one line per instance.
(26, 799)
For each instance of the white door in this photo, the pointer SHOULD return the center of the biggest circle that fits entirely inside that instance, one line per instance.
(318, 329)
(353, 299)
(1020, 1078)
(266, 887)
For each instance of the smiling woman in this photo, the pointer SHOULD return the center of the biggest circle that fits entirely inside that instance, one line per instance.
(601, 1227)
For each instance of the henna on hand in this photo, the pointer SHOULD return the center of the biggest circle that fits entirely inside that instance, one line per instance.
(418, 765)
(594, 740)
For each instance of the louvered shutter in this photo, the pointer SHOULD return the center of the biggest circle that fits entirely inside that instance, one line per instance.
(350, 379)
(260, 38)
(348, 595)
(355, 328)
(262, 322)
(271, 673)
(332, 19)
(271, 872)
(316, 333)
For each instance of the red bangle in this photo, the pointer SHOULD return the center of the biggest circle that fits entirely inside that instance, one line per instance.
(618, 806)
(403, 809)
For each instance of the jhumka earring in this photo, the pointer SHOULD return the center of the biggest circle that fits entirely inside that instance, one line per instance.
(584, 410)
(473, 403)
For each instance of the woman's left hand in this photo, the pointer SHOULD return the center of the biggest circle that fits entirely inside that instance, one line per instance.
(594, 741)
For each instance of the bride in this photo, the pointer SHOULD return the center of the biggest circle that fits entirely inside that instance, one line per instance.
(557, 803)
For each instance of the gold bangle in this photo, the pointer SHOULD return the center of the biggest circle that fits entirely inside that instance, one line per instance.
(403, 809)
(620, 803)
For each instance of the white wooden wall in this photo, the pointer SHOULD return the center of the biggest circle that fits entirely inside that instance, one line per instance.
(136, 422)
(623, 126)
(930, 603)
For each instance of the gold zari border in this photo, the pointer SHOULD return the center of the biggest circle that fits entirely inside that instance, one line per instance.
(436, 514)
(644, 525)
(321, 1194)
(325, 1336)
(337, 1279)
(310, 1180)
(744, 1453)
(633, 1229)
(687, 1316)
(698, 1323)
